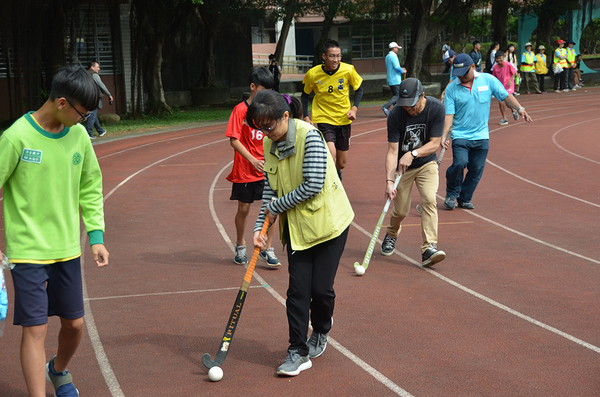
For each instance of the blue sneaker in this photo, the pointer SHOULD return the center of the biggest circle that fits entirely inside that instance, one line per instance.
(241, 257)
(62, 381)
(268, 256)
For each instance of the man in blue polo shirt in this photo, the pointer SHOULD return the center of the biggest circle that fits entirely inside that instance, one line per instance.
(467, 106)
(394, 75)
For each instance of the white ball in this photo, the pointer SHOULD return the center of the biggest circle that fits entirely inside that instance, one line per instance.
(360, 270)
(215, 374)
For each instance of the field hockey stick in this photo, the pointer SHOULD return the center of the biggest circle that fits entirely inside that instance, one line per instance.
(373, 241)
(442, 152)
(236, 311)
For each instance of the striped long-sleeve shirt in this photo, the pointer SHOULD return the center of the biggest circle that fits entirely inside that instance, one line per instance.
(314, 168)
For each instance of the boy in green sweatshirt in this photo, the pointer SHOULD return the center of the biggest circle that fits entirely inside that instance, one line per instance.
(48, 170)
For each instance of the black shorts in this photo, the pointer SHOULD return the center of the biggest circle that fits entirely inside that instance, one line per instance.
(247, 192)
(338, 134)
(47, 290)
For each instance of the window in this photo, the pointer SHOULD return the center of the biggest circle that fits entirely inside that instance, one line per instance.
(367, 43)
(88, 37)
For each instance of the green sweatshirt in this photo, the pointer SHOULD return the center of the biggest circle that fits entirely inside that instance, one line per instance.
(46, 178)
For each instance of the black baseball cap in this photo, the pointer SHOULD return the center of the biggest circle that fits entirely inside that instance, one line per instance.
(410, 91)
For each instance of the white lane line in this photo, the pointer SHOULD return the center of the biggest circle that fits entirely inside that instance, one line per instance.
(101, 357)
(105, 368)
(489, 300)
(335, 344)
(542, 186)
(198, 291)
(568, 151)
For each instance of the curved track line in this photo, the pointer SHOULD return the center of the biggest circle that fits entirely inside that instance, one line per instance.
(336, 345)
(105, 367)
(568, 151)
(489, 300)
(542, 186)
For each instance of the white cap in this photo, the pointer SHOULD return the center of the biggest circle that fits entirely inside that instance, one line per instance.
(393, 44)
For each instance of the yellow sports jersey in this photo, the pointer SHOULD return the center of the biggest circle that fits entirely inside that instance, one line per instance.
(331, 103)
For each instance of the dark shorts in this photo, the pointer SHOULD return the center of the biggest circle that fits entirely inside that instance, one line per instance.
(247, 192)
(47, 290)
(338, 134)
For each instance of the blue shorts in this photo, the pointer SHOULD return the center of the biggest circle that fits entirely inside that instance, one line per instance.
(42, 291)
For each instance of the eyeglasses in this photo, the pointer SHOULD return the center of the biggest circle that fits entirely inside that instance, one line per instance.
(334, 56)
(83, 118)
(270, 128)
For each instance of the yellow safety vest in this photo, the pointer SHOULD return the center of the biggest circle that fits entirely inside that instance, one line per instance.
(561, 62)
(527, 66)
(571, 57)
(322, 217)
(540, 65)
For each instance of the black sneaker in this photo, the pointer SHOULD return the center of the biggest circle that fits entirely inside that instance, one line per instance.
(294, 364)
(432, 256)
(388, 245)
(102, 133)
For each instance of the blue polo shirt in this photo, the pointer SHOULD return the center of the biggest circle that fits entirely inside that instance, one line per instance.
(471, 107)
(394, 70)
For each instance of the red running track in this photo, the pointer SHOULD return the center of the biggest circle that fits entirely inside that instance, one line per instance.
(514, 310)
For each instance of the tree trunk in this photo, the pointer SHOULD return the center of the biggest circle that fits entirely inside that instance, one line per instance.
(500, 22)
(156, 94)
(290, 12)
(425, 34)
(329, 14)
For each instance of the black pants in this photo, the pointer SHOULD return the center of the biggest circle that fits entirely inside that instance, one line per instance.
(540, 78)
(562, 77)
(310, 291)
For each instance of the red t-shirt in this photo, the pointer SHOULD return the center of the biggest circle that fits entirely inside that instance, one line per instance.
(238, 128)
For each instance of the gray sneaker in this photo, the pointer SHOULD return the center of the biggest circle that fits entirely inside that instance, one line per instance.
(388, 245)
(241, 257)
(317, 343)
(294, 364)
(503, 122)
(450, 203)
(515, 115)
(268, 256)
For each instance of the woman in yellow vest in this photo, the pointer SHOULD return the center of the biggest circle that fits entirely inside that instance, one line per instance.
(541, 67)
(559, 63)
(302, 187)
(528, 60)
(571, 64)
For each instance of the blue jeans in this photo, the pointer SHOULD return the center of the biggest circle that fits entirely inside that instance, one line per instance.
(470, 155)
(395, 95)
(93, 121)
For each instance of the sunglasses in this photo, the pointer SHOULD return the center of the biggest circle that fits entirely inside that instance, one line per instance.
(83, 118)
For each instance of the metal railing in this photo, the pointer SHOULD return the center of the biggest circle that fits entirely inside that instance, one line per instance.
(295, 64)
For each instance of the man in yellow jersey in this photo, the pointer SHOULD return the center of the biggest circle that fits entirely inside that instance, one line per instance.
(331, 110)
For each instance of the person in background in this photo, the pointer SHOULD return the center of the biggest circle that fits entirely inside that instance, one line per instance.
(445, 49)
(490, 58)
(275, 70)
(541, 67)
(331, 109)
(577, 80)
(511, 56)
(528, 70)
(559, 64)
(476, 55)
(571, 65)
(92, 121)
(394, 75)
(505, 72)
